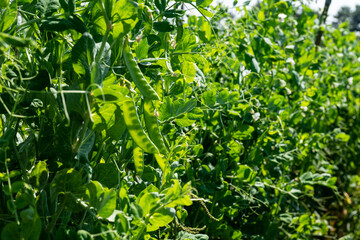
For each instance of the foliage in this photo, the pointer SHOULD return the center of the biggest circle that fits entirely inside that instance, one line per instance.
(346, 14)
(121, 120)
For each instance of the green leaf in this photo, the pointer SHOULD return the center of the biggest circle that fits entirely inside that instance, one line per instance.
(160, 218)
(236, 148)
(245, 174)
(244, 133)
(195, 114)
(66, 180)
(110, 94)
(30, 224)
(149, 201)
(122, 223)
(142, 49)
(124, 17)
(101, 66)
(188, 70)
(116, 130)
(83, 235)
(342, 137)
(11, 231)
(8, 17)
(102, 199)
(12, 174)
(181, 106)
(205, 12)
(255, 65)
(41, 81)
(160, 4)
(138, 228)
(15, 187)
(182, 235)
(147, 21)
(184, 121)
(68, 5)
(209, 97)
(165, 111)
(83, 55)
(177, 195)
(109, 117)
(86, 147)
(106, 174)
(4, 3)
(47, 7)
(261, 16)
(203, 3)
(39, 175)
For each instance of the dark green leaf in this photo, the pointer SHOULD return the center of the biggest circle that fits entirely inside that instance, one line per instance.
(107, 174)
(83, 55)
(47, 7)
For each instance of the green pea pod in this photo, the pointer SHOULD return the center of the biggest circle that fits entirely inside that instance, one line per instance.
(152, 127)
(174, 13)
(163, 26)
(78, 24)
(161, 160)
(6, 39)
(56, 24)
(138, 155)
(135, 129)
(136, 75)
(179, 29)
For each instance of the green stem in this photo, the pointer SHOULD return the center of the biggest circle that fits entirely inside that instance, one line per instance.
(10, 190)
(108, 29)
(57, 214)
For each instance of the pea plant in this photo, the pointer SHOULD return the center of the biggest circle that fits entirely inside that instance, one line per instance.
(124, 119)
(83, 153)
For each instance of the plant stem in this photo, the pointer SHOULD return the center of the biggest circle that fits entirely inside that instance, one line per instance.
(108, 29)
(10, 190)
(57, 214)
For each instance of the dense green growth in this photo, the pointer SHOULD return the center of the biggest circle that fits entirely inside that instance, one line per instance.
(127, 120)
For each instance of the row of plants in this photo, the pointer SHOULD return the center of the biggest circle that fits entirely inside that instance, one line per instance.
(130, 120)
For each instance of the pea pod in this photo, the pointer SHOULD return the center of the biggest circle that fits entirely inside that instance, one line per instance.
(163, 26)
(138, 155)
(135, 129)
(136, 75)
(152, 127)
(6, 39)
(174, 13)
(179, 29)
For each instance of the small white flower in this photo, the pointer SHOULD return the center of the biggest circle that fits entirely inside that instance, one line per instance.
(282, 17)
(291, 61)
(282, 83)
(304, 108)
(350, 80)
(288, 91)
(256, 116)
